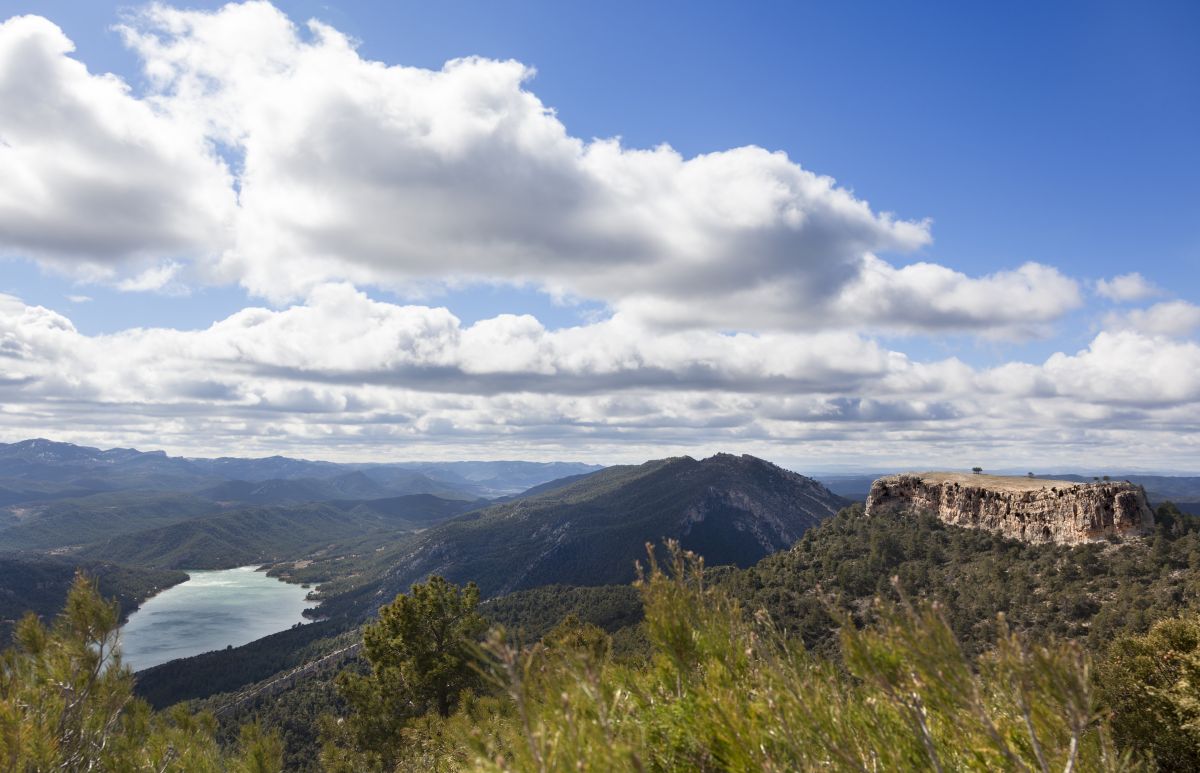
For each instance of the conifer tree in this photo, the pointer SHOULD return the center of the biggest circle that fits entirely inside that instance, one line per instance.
(67, 704)
(421, 653)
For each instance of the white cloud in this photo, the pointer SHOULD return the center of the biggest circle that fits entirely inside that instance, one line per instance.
(388, 175)
(343, 371)
(1129, 368)
(1126, 287)
(92, 175)
(353, 170)
(1123, 368)
(341, 335)
(1170, 318)
(162, 278)
(925, 296)
(79, 298)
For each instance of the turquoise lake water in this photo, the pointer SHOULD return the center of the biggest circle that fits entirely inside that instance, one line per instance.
(212, 610)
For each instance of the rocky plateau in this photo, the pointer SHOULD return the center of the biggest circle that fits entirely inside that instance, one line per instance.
(1030, 509)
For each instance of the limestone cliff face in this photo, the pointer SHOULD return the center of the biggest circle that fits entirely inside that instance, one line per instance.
(1021, 508)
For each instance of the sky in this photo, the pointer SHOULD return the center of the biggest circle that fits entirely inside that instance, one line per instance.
(841, 236)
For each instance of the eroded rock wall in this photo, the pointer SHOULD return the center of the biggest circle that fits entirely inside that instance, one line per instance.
(1035, 511)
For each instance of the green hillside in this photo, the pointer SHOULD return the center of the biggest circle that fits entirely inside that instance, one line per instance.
(40, 585)
(46, 525)
(253, 535)
(528, 615)
(1090, 592)
(250, 535)
(732, 509)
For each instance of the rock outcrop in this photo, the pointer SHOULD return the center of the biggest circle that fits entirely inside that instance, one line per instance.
(1028, 509)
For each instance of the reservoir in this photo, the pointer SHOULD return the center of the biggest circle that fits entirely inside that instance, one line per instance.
(210, 611)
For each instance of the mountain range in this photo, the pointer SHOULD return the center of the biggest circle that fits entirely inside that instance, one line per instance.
(59, 496)
(561, 547)
(40, 469)
(365, 532)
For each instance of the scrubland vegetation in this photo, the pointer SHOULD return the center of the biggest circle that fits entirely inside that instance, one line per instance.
(875, 643)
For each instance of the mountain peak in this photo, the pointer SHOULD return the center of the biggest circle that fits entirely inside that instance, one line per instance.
(730, 509)
(48, 451)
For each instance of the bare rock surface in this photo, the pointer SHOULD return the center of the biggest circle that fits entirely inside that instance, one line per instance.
(1030, 509)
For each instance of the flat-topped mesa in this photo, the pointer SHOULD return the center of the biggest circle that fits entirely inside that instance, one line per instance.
(1029, 509)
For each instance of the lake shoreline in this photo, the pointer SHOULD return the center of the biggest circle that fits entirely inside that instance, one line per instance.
(124, 614)
(213, 609)
(265, 568)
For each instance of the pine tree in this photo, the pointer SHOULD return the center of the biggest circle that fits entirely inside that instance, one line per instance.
(421, 652)
(67, 704)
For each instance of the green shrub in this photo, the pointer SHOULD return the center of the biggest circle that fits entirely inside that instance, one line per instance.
(1151, 685)
(725, 691)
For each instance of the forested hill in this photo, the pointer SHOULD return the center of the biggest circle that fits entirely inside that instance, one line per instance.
(76, 521)
(256, 535)
(40, 584)
(1090, 592)
(732, 509)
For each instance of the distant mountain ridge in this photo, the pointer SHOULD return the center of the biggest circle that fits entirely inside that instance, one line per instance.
(39, 469)
(731, 509)
(351, 485)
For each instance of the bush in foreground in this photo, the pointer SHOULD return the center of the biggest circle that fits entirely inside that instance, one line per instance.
(724, 691)
(1151, 687)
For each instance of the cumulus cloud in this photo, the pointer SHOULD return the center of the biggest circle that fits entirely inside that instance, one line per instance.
(1123, 368)
(343, 370)
(925, 296)
(1126, 287)
(1170, 318)
(355, 170)
(340, 336)
(92, 175)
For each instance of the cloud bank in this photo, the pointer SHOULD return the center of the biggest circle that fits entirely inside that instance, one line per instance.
(342, 369)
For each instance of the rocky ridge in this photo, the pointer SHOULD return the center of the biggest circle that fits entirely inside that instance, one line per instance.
(591, 531)
(1029, 509)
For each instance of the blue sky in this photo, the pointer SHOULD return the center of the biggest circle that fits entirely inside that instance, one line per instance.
(1062, 136)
